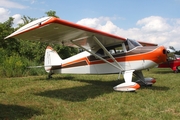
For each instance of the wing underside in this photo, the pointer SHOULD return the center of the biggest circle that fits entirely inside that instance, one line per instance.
(55, 30)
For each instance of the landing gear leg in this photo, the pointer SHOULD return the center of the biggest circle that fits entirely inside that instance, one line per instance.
(139, 75)
(128, 85)
(119, 75)
(177, 70)
(144, 81)
(50, 75)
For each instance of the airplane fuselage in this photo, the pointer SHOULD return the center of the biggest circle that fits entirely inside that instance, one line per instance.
(136, 59)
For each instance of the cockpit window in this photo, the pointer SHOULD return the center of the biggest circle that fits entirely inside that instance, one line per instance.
(119, 48)
(132, 44)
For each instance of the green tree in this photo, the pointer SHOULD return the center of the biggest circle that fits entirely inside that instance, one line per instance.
(51, 13)
(11, 44)
(63, 51)
(26, 20)
(17, 53)
(32, 50)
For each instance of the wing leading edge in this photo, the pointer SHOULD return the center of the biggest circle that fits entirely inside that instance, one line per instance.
(58, 31)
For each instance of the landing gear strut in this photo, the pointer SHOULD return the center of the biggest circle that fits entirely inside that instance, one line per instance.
(144, 81)
(50, 75)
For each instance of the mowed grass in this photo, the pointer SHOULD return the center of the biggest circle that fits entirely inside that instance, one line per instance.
(89, 97)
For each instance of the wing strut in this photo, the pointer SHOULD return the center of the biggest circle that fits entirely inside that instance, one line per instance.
(102, 46)
(97, 55)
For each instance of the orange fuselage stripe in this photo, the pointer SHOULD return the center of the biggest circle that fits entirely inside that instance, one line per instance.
(156, 56)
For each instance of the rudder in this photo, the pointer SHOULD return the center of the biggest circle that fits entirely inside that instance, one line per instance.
(51, 59)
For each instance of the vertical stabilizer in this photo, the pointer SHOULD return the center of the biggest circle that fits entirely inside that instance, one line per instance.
(51, 59)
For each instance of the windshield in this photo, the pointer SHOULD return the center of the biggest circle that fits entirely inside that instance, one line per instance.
(177, 56)
(132, 44)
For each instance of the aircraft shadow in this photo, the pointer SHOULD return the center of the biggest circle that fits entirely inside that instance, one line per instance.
(93, 89)
(80, 93)
(166, 71)
(159, 88)
(56, 78)
(14, 112)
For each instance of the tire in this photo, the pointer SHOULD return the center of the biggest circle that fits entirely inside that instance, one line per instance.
(178, 68)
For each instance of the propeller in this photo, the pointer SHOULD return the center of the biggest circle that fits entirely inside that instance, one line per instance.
(170, 52)
(171, 56)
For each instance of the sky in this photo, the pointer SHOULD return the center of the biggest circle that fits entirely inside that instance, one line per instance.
(154, 21)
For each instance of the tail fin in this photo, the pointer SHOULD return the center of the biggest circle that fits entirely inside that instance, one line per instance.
(51, 59)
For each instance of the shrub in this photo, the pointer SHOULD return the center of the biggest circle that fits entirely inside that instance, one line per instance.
(16, 66)
(13, 66)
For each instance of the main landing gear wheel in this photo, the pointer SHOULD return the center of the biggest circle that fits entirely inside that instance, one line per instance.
(127, 87)
(50, 75)
(146, 82)
(177, 69)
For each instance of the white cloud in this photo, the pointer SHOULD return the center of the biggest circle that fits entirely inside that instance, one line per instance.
(153, 24)
(153, 29)
(33, 1)
(17, 19)
(178, 21)
(94, 22)
(101, 23)
(10, 4)
(90, 22)
(5, 14)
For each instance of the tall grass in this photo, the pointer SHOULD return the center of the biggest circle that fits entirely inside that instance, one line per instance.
(89, 97)
(16, 66)
(13, 66)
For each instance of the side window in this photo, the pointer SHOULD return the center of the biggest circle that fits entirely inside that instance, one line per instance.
(119, 50)
(100, 52)
(115, 49)
(112, 51)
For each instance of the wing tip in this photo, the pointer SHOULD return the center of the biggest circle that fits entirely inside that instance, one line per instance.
(30, 25)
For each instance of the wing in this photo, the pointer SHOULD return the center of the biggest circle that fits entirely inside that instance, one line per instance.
(147, 44)
(58, 31)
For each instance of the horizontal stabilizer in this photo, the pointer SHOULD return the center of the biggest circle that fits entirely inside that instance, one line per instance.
(41, 66)
(35, 66)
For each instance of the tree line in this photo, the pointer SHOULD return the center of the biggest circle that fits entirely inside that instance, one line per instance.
(16, 54)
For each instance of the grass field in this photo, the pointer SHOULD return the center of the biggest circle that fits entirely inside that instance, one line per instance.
(89, 97)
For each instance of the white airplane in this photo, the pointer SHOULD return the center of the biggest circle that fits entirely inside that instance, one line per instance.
(104, 53)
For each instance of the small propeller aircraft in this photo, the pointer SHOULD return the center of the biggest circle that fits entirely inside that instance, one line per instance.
(103, 53)
(173, 63)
